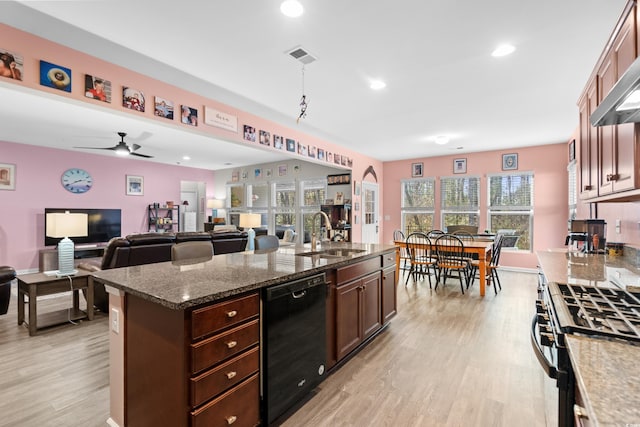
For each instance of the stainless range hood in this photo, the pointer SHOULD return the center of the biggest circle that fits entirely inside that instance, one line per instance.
(622, 104)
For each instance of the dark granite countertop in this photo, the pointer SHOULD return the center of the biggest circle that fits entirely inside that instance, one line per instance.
(179, 285)
(606, 370)
(609, 379)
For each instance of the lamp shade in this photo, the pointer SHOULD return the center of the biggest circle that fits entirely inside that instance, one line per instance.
(67, 224)
(248, 220)
(215, 203)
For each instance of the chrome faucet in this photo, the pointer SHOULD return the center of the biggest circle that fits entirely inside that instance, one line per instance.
(327, 224)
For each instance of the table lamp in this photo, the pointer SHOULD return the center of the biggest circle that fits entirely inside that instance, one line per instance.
(66, 225)
(248, 221)
(214, 205)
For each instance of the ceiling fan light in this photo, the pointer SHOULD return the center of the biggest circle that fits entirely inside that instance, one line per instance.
(377, 84)
(503, 50)
(122, 151)
(291, 8)
(442, 139)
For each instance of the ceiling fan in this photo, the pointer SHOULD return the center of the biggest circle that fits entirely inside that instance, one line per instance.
(121, 148)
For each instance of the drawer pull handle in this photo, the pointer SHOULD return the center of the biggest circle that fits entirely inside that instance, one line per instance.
(232, 313)
(232, 344)
(231, 375)
(232, 419)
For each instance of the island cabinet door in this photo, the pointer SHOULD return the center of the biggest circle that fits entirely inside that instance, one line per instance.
(348, 318)
(389, 298)
(371, 312)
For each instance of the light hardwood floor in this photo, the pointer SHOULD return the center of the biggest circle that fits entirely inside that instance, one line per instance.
(446, 360)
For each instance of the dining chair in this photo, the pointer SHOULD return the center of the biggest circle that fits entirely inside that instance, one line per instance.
(435, 233)
(491, 275)
(421, 257)
(452, 260)
(405, 259)
(267, 242)
(191, 250)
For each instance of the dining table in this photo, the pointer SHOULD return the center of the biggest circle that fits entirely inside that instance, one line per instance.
(480, 247)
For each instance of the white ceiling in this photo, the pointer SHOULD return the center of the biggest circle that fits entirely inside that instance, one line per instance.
(433, 55)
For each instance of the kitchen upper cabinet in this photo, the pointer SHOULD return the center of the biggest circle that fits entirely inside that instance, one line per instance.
(588, 144)
(609, 154)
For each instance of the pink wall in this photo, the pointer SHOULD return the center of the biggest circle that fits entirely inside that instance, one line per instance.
(38, 172)
(547, 162)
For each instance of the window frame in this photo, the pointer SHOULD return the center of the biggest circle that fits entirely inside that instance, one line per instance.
(416, 210)
(459, 210)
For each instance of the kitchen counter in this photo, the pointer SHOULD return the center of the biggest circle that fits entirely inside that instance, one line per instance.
(564, 266)
(608, 378)
(179, 285)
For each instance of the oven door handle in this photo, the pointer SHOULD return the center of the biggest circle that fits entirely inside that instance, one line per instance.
(548, 367)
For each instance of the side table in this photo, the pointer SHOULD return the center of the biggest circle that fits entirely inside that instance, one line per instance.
(40, 284)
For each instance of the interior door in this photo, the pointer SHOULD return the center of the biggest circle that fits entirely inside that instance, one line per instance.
(370, 196)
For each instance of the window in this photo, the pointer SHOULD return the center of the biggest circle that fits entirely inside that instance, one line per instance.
(460, 200)
(313, 195)
(511, 208)
(284, 203)
(258, 201)
(418, 202)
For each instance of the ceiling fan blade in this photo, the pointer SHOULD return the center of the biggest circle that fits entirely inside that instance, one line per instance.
(97, 148)
(144, 135)
(135, 147)
(141, 155)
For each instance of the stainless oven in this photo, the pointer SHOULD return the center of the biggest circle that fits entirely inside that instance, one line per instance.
(605, 311)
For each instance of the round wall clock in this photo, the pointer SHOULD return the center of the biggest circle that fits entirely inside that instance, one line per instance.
(77, 180)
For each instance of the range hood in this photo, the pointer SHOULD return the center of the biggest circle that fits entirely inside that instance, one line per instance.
(622, 104)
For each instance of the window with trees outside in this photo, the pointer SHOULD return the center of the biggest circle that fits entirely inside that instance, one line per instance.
(460, 200)
(511, 209)
(258, 201)
(314, 193)
(417, 205)
(284, 203)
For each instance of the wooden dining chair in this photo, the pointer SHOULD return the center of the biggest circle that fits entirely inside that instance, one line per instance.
(435, 233)
(405, 259)
(421, 257)
(452, 260)
(491, 275)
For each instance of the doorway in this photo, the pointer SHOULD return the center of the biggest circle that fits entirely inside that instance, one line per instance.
(193, 213)
(370, 199)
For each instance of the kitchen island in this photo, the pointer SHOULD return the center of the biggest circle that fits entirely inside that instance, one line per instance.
(177, 327)
(607, 379)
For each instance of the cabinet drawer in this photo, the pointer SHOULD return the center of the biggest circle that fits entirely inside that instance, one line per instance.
(238, 407)
(388, 259)
(223, 377)
(220, 347)
(205, 321)
(350, 272)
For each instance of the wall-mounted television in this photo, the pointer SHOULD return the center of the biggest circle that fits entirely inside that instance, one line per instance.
(103, 225)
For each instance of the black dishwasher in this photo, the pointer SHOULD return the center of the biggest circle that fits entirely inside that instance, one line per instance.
(293, 343)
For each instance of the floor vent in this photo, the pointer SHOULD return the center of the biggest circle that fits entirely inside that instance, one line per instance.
(301, 54)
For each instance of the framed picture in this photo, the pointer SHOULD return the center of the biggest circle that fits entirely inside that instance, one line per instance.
(188, 115)
(163, 108)
(357, 187)
(277, 142)
(282, 170)
(460, 166)
(135, 185)
(257, 173)
(572, 150)
(97, 88)
(7, 176)
(509, 162)
(13, 63)
(356, 206)
(249, 133)
(416, 169)
(268, 173)
(55, 76)
(291, 145)
(235, 176)
(265, 137)
(133, 99)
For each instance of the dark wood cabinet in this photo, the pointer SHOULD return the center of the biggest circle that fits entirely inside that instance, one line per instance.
(389, 295)
(196, 367)
(588, 144)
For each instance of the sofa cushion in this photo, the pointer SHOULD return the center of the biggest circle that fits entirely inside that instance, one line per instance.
(192, 236)
(150, 238)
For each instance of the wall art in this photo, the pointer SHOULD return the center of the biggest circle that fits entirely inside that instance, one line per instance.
(291, 145)
(163, 108)
(135, 185)
(55, 76)
(509, 162)
(265, 137)
(416, 169)
(249, 133)
(11, 65)
(133, 99)
(97, 88)
(277, 142)
(189, 116)
(282, 170)
(7, 176)
(460, 166)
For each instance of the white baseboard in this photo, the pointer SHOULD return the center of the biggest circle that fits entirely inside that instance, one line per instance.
(519, 269)
(112, 423)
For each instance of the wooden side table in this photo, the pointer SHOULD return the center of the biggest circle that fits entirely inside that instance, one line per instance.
(40, 284)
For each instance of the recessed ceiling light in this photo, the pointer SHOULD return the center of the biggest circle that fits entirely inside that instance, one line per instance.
(186, 158)
(228, 163)
(441, 139)
(377, 84)
(503, 50)
(291, 8)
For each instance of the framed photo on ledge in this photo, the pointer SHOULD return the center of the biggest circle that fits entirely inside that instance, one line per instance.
(509, 162)
(7, 176)
(460, 166)
(416, 170)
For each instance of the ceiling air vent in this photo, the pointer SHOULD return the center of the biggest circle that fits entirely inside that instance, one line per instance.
(301, 54)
